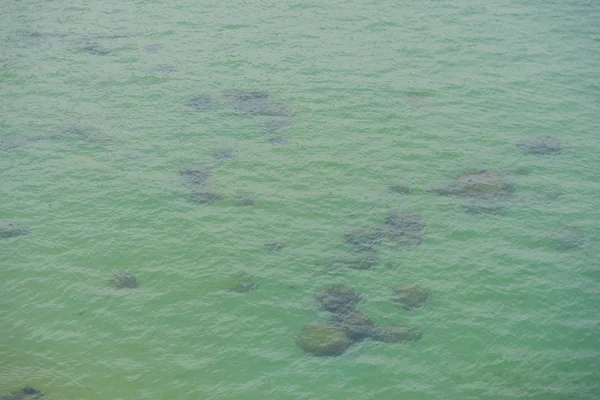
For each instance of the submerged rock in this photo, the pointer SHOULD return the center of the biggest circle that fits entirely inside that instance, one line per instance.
(224, 153)
(480, 191)
(203, 103)
(244, 200)
(569, 238)
(277, 110)
(253, 103)
(246, 102)
(321, 340)
(164, 69)
(274, 245)
(404, 227)
(400, 189)
(195, 176)
(480, 183)
(96, 49)
(354, 324)
(482, 206)
(205, 196)
(541, 145)
(274, 126)
(26, 393)
(362, 260)
(338, 298)
(546, 196)
(15, 143)
(123, 281)
(12, 229)
(241, 283)
(153, 48)
(243, 287)
(410, 296)
(363, 239)
(280, 140)
(395, 333)
(81, 132)
(404, 222)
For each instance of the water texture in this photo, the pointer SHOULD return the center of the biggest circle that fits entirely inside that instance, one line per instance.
(360, 108)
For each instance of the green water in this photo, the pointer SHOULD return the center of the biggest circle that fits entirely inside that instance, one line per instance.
(384, 93)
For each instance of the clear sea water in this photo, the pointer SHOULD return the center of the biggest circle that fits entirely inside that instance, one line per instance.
(383, 93)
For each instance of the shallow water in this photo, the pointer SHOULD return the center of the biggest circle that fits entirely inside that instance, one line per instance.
(383, 94)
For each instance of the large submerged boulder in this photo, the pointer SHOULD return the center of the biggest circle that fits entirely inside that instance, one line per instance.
(543, 145)
(123, 281)
(404, 227)
(253, 103)
(479, 183)
(205, 196)
(240, 282)
(362, 260)
(322, 340)
(203, 103)
(363, 239)
(410, 296)
(400, 189)
(195, 176)
(24, 394)
(12, 229)
(395, 333)
(479, 191)
(338, 298)
(568, 238)
(354, 324)
(15, 143)
(274, 245)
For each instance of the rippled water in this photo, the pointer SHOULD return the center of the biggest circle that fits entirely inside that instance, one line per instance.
(96, 123)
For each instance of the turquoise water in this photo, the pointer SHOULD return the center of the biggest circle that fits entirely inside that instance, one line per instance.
(383, 93)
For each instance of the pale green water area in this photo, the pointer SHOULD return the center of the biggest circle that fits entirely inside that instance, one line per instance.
(96, 124)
